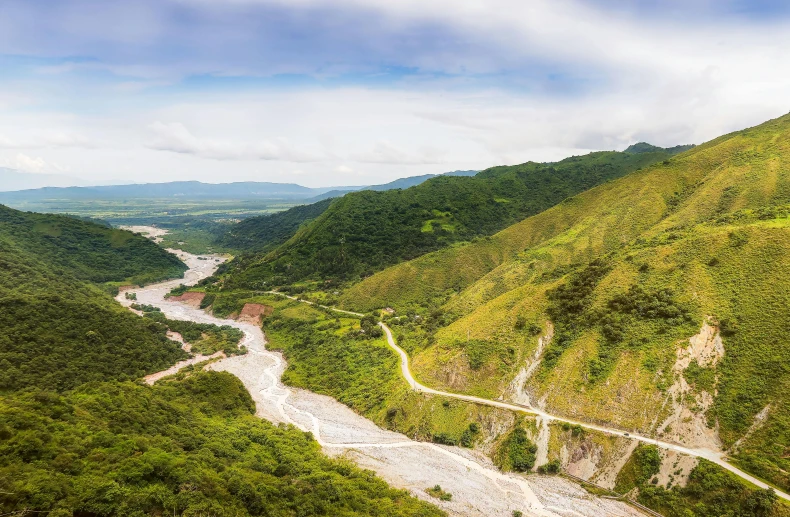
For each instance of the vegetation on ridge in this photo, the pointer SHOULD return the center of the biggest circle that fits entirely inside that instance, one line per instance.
(86, 250)
(264, 232)
(364, 232)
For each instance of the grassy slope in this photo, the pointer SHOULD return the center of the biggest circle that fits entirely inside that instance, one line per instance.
(366, 231)
(705, 225)
(59, 329)
(188, 447)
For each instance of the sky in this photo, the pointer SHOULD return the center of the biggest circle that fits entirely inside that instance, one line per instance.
(356, 92)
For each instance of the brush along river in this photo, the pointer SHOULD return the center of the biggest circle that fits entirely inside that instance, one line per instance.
(477, 487)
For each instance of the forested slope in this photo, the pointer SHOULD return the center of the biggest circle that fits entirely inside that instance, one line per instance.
(619, 279)
(86, 250)
(264, 232)
(77, 437)
(182, 447)
(58, 328)
(364, 232)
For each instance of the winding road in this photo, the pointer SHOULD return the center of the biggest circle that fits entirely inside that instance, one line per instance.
(710, 455)
(715, 457)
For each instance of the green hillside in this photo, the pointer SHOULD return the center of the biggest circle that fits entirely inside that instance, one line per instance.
(267, 231)
(59, 329)
(77, 438)
(86, 250)
(625, 274)
(185, 447)
(364, 232)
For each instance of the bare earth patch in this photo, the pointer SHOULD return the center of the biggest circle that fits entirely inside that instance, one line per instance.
(191, 299)
(675, 468)
(687, 424)
(254, 313)
(517, 391)
(151, 232)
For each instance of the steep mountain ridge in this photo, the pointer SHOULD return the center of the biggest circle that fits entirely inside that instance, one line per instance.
(642, 199)
(366, 231)
(256, 234)
(407, 182)
(628, 273)
(644, 147)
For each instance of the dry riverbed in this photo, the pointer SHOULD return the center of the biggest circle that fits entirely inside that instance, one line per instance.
(478, 489)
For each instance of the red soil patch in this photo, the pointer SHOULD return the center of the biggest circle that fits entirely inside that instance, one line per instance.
(192, 299)
(254, 312)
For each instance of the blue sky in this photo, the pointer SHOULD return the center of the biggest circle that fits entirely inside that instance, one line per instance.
(335, 92)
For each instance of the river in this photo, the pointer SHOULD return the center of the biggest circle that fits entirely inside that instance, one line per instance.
(478, 488)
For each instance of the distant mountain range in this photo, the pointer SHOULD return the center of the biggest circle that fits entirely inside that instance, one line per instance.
(179, 189)
(14, 186)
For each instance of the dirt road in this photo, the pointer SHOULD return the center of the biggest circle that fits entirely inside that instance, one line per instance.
(710, 455)
(714, 456)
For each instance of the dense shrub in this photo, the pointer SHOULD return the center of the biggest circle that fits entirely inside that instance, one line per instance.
(189, 447)
(516, 452)
(712, 492)
(644, 463)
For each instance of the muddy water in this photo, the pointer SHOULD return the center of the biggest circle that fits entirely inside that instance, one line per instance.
(477, 487)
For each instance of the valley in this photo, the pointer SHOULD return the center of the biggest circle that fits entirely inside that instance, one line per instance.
(715, 456)
(478, 488)
(348, 379)
(456, 258)
(629, 312)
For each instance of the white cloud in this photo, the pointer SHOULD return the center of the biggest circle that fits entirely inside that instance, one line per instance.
(637, 79)
(385, 152)
(175, 137)
(38, 140)
(30, 164)
(34, 164)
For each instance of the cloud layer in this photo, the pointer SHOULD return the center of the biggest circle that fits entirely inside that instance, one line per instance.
(176, 138)
(328, 89)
